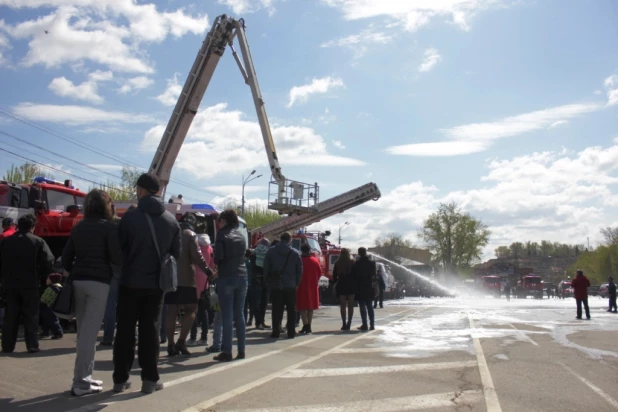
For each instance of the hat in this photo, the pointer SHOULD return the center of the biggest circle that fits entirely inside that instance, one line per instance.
(55, 277)
(149, 182)
(7, 221)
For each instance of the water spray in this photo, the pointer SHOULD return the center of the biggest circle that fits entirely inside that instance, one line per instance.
(414, 273)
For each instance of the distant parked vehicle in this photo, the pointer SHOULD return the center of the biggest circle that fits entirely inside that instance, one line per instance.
(565, 290)
(594, 290)
(603, 291)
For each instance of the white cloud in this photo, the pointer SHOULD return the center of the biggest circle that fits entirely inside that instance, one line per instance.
(170, 96)
(4, 45)
(359, 42)
(232, 190)
(106, 167)
(519, 124)
(75, 115)
(431, 58)
(412, 15)
(611, 84)
(558, 195)
(248, 6)
(558, 123)
(87, 91)
(205, 154)
(453, 148)
(112, 33)
(338, 144)
(317, 86)
(134, 84)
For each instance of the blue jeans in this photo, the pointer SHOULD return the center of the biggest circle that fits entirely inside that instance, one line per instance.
(109, 319)
(232, 294)
(366, 306)
(217, 330)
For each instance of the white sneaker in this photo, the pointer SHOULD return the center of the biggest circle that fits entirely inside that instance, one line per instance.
(89, 391)
(95, 382)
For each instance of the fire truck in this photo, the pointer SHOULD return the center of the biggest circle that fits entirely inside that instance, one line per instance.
(491, 284)
(529, 285)
(55, 204)
(298, 200)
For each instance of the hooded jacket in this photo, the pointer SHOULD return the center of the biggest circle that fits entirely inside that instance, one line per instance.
(142, 266)
(190, 255)
(275, 260)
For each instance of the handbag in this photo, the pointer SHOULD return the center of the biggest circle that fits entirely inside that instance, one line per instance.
(64, 305)
(168, 276)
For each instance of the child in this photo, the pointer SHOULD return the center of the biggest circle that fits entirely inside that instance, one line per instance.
(217, 324)
(49, 321)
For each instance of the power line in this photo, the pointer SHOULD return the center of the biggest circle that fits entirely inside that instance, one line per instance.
(96, 150)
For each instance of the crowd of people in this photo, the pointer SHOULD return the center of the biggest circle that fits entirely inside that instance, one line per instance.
(112, 268)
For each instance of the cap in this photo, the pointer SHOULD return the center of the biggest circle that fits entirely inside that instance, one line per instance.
(7, 221)
(149, 182)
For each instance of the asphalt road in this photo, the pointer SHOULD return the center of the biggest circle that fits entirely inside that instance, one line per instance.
(461, 354)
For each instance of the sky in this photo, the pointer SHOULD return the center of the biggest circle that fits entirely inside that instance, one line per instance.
(507, 107)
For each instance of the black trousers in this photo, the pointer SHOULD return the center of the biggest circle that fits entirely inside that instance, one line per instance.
(284, 298)
(379, 298)
(201, 320)
(21, 304)
(49, 321)
(579, 308)
(259, 302)
(143, 305)
(612, 303)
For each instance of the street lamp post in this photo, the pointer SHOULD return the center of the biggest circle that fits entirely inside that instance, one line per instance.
(341, 227)
(244, 182)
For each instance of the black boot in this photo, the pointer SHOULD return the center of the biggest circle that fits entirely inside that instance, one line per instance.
(171, 350)
(181, 347)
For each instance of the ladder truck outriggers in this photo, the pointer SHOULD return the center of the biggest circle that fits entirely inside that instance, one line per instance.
(298, 200)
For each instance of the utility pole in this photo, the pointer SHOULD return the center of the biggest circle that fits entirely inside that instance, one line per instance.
(244, 182)
(341, 227)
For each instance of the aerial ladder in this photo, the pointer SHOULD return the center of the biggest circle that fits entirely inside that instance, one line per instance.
(287, 196)
(298, 200)
(322, 210)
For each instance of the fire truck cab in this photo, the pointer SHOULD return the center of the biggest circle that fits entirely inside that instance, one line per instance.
(57, 206)
(529, 285)
(491, 284)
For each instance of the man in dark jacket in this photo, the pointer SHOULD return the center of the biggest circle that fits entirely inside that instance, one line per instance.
(364, 272)
(611, 291)
(381, 277)
(283, 269)
(139, 295)
(8, 227)
(25, 260)
(580, 287)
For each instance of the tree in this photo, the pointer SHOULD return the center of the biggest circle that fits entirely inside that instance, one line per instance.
(129, 176)
(255, 215)
(25, 173)
(455, 238)
(517, 249)
(391, 245)
(503, 252)
(610, 234)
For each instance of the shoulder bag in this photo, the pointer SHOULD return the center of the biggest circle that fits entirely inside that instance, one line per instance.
(168, 276)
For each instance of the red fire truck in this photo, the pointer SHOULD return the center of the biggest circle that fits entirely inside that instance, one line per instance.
(57, 206)
(491, 284)
(529, 285)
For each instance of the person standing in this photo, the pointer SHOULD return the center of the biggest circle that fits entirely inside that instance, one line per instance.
(202, 283)
(230, 249)
(611, 291)
(381, 277)
(109, 318)
(139, 296)
(364, 272)
(25, 259)
(48, 319)
(92, 248)
(283, 269)
(308, 292)
(259, 289)
(580, 287)
(345, 287)
(186, 293)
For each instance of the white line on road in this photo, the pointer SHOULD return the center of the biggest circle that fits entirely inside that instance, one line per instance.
(408, 403)
(414, 367)
(491, 397)
(592, 386)
(377, 350)
(524, 335)
(258, 382)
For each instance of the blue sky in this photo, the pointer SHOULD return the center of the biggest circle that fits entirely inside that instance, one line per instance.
(508, 107)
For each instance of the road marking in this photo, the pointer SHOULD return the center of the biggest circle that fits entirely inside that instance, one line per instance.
(409, 403)
(491, 397)
(524, 334)
(258, 382)
(414, 367)
(592, 386)
(377, 350)
(221, 368)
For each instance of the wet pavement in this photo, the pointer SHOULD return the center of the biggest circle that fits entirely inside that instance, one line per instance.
(459, 354)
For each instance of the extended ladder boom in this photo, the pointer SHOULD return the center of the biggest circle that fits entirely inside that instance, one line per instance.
(322, 210)
(213, 47)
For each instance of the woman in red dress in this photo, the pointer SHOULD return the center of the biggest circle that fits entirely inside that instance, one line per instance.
(307, 293)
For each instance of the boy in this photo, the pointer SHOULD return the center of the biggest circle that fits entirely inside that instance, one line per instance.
(49, 321)
(217, 323)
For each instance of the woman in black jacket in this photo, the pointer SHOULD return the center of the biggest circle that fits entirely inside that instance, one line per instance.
(88, 256)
